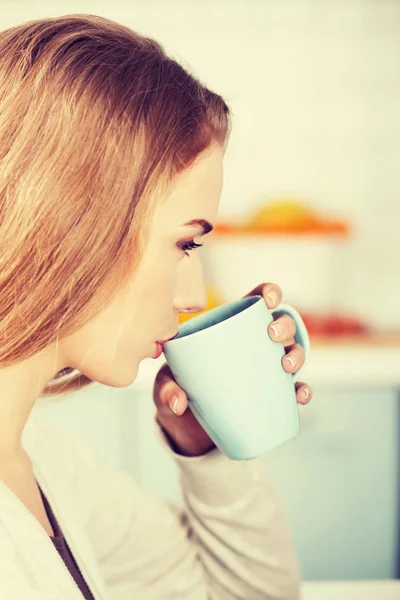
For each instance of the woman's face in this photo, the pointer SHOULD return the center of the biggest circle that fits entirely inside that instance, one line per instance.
(167, 281)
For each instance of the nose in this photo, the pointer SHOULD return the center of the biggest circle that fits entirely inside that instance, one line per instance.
(190, 288)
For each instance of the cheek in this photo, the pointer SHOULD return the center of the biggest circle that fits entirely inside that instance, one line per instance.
(154, 291)
(106, 349)
(111, 358)
(110, 348)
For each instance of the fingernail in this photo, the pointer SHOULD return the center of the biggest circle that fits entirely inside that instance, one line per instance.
(278, 329)
(306, 393)
(273, 297)
(173, 403)
(290, 361)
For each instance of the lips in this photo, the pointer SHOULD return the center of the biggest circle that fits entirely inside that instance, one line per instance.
(167, 340)
(158, 350)
(159, 345)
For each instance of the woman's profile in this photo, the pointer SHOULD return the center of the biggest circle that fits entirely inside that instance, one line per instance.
(111, 159)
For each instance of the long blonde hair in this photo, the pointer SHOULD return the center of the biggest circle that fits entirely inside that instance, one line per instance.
(95, 122)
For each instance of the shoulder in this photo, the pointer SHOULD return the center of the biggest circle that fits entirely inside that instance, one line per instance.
(73, 472)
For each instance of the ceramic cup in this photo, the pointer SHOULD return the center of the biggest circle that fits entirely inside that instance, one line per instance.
(232, 373)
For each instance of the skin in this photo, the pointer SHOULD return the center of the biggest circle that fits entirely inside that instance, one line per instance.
(111, 346)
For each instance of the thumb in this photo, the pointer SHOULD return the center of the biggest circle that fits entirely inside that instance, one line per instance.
(168, 395)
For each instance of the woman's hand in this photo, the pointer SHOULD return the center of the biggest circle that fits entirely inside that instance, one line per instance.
(184, 432)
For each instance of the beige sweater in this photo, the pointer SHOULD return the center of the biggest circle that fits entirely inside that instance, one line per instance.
(230, 541)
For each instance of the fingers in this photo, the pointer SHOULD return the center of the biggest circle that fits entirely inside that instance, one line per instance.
(271, 293)
(282, 330)
(177, 402)
(164, 375)
(303, 393)
(168, 394)
(291, 363)
(173, 398)
(294, 358)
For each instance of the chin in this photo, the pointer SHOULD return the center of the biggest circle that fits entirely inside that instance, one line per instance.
(118, 378)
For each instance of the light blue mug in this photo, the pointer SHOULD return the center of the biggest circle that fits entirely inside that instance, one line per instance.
(232, 373)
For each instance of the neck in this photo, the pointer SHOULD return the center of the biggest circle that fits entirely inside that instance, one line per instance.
(20, 386)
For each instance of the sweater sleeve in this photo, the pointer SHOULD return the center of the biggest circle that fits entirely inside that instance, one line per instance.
(230, 541)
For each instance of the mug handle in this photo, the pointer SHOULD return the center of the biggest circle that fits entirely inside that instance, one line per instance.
(301, 336)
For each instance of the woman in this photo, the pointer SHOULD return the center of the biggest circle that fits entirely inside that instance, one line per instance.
(111, 173)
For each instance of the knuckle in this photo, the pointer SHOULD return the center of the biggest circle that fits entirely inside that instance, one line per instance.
(272, 287)
(168, 388)
(286, 320)
(275, 286)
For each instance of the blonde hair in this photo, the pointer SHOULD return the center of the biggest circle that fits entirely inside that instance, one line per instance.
(95, 123)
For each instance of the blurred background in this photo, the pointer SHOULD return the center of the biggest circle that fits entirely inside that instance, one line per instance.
(311, 201)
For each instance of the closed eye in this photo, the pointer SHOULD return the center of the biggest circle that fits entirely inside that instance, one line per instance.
(188, 245)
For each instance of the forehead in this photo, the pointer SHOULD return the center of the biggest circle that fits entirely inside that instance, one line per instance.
(196, 192)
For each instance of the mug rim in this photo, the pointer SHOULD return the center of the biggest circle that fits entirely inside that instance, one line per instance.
(252, 301)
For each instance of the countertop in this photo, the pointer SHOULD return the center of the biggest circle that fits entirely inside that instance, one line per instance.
(354, 361)
(357, 361)
(351, 590)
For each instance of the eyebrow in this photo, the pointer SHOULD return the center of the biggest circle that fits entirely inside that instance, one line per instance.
(204, 225)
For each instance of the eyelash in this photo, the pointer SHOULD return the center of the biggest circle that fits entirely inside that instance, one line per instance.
(189, 245)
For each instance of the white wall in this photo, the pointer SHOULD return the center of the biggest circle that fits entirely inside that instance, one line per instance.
(315, 93)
